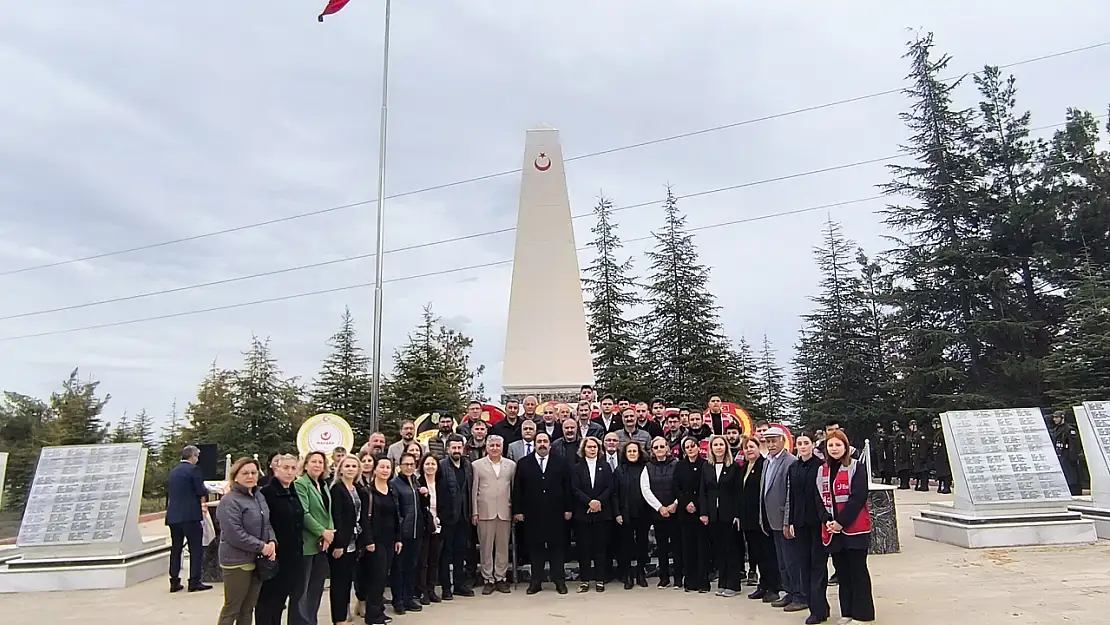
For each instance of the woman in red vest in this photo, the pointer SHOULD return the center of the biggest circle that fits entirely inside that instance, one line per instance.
(846, 531)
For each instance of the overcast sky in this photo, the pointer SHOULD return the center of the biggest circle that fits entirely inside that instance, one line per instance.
(132, 122)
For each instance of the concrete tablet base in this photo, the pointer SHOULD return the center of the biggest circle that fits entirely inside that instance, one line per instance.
(942, 524)
(86, 573)
(1099, 516)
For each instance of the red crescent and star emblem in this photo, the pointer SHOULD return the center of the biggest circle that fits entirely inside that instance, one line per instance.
(325, 435)
(542, 163)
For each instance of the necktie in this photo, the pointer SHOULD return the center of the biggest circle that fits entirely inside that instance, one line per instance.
(527, 448)
(612, 462)
(543, 465)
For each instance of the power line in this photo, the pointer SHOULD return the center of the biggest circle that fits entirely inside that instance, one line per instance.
(447, 185)
(429, 274)
(456, 239)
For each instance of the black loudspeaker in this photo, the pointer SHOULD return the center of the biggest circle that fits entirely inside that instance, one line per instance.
(209, 461)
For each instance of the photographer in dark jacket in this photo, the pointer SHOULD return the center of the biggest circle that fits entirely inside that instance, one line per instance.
(456, 478)
(287, 520)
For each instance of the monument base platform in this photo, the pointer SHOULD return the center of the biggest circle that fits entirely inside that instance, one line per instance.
(884, 520)
(564, 394)
(942, 523)
(45, 574)
(8, 552)
(1099, 516)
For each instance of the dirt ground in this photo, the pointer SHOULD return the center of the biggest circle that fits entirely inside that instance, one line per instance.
(928, 583)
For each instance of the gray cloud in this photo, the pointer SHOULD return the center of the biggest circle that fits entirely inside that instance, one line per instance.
(141, 122)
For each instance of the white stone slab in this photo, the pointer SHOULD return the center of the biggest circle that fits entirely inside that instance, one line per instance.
(1095, 514)
(46, 578)
(547, 348)
(1093, 421)
(3, 475)
(961, 530)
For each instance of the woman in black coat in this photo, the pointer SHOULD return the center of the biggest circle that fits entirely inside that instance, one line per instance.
(350, 513)
(412, 507)
(695, 535)
(384, 540)
(287, 520)
(802, 527)
(633, 514)
(593, 489)
(761, 548)
(720, 489)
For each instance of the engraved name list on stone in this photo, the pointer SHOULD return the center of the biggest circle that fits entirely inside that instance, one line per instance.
(1007, 456)
(1099, 414)
(80, 495)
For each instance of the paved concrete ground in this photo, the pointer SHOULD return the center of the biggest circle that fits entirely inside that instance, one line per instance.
(927, 584)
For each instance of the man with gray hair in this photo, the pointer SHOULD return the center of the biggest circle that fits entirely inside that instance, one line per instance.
(185, 494)
(491, 499)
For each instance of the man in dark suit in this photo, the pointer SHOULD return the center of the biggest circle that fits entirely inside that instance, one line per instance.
(542, 501)
(455, 471)
(185, 494)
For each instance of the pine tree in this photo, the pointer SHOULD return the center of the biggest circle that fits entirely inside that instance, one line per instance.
(612, 293)
(686, 356)
(76, 413)
(747, 373)
(1078, 368)
(261, 397)
(942, 359)
(343, 386)
(142, 431)
(771, 393)
(210, 418)
(432, 372)
(24, 426)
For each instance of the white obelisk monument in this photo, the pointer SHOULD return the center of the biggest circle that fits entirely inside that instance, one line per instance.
(547, 349)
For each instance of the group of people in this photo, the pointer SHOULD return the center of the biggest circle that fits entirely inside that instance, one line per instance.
(418, 516)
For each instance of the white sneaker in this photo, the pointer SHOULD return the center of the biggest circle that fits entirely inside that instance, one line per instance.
(845, 620)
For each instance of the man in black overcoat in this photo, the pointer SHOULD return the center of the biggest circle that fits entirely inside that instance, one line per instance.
(542, 501)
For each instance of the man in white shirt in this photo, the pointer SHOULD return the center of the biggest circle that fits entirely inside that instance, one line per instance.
(527, 444)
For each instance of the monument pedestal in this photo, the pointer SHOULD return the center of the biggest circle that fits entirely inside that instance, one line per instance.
(884, 520)
(943, 523)
(44, 574)
(1099, 516)
(1009, 488)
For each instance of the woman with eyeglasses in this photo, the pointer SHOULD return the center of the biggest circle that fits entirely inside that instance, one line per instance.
(591, 485)
(431, 545)
(287, 520)
(632, 514)
(413, 508)
(319, 532)
(246, 542)
(657, 486)
(718, 510)
(695, 535)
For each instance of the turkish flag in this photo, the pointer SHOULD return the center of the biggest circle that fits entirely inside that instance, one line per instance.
(334, 6)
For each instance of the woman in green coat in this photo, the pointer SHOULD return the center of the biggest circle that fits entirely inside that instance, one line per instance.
(312, 490)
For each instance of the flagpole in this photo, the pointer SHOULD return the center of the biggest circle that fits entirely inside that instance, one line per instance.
(375, 392)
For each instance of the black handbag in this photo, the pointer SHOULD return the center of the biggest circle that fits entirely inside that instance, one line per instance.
(267, 568)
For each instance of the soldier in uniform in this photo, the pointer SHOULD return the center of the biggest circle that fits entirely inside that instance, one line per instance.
(900, 455)
(1068, 449)
(878, 452)
(941, 465)
(886, 471)
(919, 457)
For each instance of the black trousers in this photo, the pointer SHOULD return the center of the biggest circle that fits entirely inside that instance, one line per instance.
(813, 563)
(634, 544)
(546, 547)
(855, 584)
(456, 544)
(593, 538)
(667, 543)
(1071, 476)
(614, 553)
(904, 479)
(428, 564)
(403, 573)
(695, 551)
(342, 578)
(722, 544)
(192, 533)
(761, 554)
(374, 569)
(275, 592)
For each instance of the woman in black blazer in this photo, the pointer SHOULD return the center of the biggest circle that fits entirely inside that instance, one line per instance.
(633, 514)
(413, 508)
(287, 520)
(384, 539)
(720, 512)
(761, 549)
(593, 487)
(350, 512)
(695, 536)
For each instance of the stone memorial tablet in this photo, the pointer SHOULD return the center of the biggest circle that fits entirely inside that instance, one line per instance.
(1007, 457)
(1093, 422)
(3, 475)
(81, 495)
(1099, 414)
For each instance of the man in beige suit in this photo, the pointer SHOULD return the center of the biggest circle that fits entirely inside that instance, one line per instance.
(491, 499)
